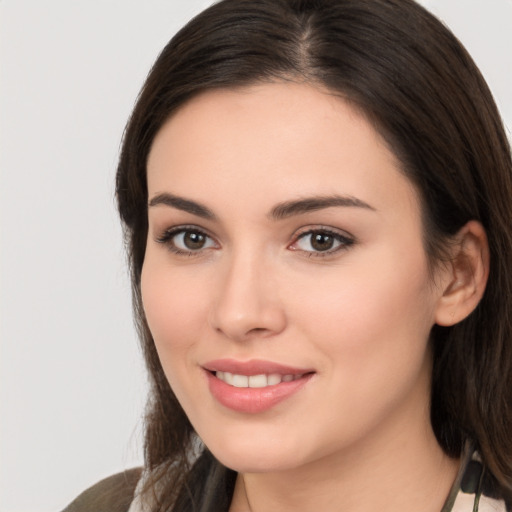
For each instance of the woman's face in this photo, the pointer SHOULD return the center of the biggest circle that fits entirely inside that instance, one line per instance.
(285, 248)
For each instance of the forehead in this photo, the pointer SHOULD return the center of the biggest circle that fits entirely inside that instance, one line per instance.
(273, 140)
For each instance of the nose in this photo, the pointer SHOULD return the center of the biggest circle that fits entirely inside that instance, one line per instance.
(247, 304)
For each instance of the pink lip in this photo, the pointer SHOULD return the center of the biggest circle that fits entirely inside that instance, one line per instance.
(253, 400)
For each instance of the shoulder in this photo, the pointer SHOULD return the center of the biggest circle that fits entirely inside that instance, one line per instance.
(112, 494)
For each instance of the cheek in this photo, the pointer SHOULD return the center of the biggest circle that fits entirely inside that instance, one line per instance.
(372, 331)
(372, 321)
(174, 310)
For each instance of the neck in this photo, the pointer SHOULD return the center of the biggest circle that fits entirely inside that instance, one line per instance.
(400, 468)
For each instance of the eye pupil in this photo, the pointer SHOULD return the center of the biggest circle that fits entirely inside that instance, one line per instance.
(194, 240)
(322, 241)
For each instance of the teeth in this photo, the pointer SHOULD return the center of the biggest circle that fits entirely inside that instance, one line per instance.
(254, 381)
(258, 381)
(240, 381)
(273, 379)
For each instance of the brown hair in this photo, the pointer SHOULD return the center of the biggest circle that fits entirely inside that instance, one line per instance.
(413, 79)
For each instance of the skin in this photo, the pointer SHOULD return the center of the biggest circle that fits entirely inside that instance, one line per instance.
(357, 436)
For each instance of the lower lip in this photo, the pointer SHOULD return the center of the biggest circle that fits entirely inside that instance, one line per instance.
(253, 400)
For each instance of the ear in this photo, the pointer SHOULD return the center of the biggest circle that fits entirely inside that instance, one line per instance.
(465, 276)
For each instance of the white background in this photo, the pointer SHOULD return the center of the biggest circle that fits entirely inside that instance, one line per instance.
(72, 384)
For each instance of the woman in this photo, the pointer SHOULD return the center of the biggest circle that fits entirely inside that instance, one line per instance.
(316, 200)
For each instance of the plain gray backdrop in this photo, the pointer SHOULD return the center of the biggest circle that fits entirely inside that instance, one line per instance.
(72, 384)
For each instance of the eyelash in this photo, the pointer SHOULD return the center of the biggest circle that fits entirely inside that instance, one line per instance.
(344, 241)
(168, 236)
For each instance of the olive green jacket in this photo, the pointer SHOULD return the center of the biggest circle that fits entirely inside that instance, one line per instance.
(113, 494)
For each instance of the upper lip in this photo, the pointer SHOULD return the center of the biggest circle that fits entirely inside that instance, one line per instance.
(253, 367)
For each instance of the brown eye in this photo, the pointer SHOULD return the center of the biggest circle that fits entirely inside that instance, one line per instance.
(193, 240)
(186, 241)
(320, 241)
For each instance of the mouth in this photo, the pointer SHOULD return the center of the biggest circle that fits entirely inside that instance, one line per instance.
(254, 386)
(256, 381)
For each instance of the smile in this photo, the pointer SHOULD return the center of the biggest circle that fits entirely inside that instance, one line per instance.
(254, 386)
(255, 381)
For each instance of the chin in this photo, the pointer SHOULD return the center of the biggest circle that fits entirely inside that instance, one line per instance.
(255, 455)
(254, 462)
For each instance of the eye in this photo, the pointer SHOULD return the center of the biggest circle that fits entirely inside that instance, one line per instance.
(318, 241)
(186, 241)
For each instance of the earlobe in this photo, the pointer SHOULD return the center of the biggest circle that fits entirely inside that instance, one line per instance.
(466, 275)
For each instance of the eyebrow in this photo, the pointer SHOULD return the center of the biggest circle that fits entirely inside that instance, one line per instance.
(278, 212)
(180, 203)
(311, 204)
